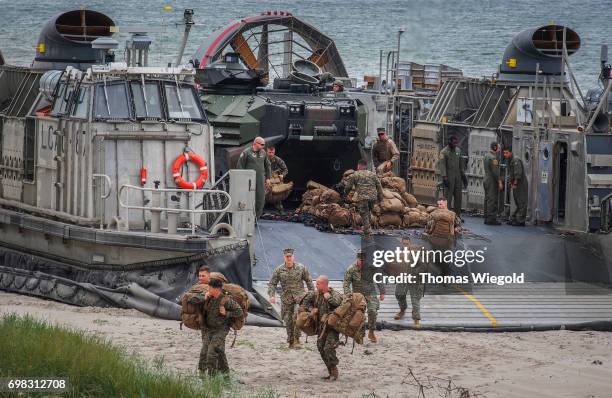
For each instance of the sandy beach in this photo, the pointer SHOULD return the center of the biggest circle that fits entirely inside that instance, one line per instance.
(534, 364)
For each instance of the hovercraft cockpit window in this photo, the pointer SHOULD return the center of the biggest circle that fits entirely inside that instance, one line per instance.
(112, 101)
(62, 100)
(182, 102)
(147, 100)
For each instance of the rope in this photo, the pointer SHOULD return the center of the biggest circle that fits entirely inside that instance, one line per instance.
(234, 341)
(263, 248)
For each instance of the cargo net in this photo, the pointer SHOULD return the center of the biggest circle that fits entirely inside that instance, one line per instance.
(333, 210)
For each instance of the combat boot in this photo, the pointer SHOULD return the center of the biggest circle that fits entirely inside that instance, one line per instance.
(399, 315)
(372, 336)
(333, 373)
(329, 373)
(417, 323)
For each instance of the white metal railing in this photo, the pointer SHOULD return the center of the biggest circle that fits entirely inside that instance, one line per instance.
(156, 208)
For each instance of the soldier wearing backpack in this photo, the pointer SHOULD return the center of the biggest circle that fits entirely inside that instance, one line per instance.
(217, 312)
(356, 282)
(322, 302)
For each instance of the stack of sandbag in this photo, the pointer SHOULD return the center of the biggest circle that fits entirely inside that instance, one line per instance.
(278, 190)
(398, 208)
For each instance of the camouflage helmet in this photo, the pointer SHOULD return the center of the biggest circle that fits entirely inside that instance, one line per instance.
(338, 83)
(288, 251)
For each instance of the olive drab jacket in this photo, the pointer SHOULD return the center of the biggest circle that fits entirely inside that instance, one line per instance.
(450, 165)
(491, 167)
(257, 161)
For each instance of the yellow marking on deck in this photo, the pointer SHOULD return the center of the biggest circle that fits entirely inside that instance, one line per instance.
(481, 307)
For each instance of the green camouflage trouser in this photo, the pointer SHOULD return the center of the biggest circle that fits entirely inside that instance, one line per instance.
(288, 313)
(364, 207)
(373, 306)
(327, 344)
(416, 292)
(212, 356)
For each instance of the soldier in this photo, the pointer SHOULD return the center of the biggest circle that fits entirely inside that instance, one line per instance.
(369, 191)
(217, 312)
(338, 86)
(279, 169)
(518, 184)
(320, 303)
(384, 151)
(354, 278)
(292, 277)
(451, 169)
(492, 185)
(254, 158)
(415, 289)
(204, 275)
(277, 165)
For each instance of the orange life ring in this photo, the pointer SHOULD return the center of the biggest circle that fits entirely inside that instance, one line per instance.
(176, 171)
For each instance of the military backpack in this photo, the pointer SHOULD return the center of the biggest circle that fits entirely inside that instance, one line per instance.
(191, 314)
(349, 317)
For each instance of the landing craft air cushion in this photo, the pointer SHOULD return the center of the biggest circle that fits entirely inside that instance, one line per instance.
(91, 209)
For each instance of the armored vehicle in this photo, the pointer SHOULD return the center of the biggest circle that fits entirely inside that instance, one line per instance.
(108, 194)
(284, 93)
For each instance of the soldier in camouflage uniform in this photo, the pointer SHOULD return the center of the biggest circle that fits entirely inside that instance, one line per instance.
(292, 277)
(279, 169)
(384, 152)
(518, 184)
(321, 303)
(217, 312)
(450, 166)
(254, 158)
(368, 192)
(492, 184)
(416, 289)
(355, 281)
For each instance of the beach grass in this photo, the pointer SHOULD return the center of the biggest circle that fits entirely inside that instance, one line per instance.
(94, 367)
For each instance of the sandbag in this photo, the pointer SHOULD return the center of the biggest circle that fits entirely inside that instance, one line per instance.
(415, 219)
(330, 196)
(339, 216)
(311, 193)
(431, 208)
(278, 192)
(315, 185)
(388, 194)
(422, 208)
(390, 219)
(344, 318)
(393, 205)
(409, 199)
(396, 184)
